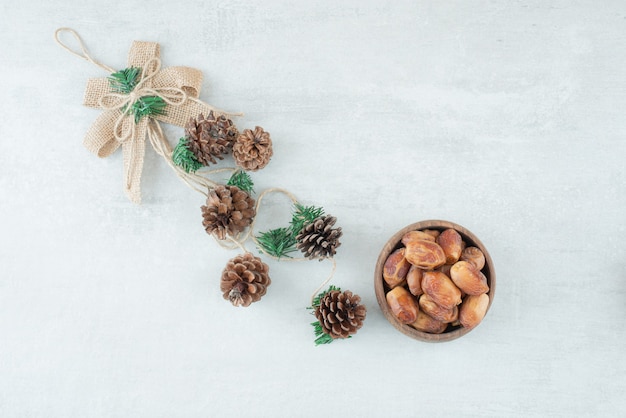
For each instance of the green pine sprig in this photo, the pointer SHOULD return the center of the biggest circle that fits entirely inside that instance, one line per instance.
(242, 180)
(317, 300)
(282, 241)
(183, 157)
(321, 336)
(304, 215)
(148, 106)
(278, 242)
(124, 82)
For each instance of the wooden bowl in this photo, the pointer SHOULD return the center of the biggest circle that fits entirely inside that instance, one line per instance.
(381, 287)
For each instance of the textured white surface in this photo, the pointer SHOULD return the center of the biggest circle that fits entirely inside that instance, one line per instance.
(505, 117)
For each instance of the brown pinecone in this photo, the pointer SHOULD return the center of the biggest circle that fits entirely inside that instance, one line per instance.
(245, 279)
(210, 138)
(228, 210)
(340, 313)
(253, 149)
(319, 239)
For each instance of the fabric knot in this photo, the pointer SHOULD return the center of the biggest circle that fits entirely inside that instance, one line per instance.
(177, 87)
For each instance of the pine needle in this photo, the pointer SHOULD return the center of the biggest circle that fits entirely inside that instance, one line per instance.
(242, 180)
(322, 337)
(124, 81)
(282, 241)
(304, 215)
(277, 242)
(318, 299)
(183, 157)
(148, 106)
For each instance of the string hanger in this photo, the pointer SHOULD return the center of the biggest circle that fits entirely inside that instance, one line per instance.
(84, 54)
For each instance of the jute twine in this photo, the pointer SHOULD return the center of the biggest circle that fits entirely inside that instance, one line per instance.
(238, 241)
(179, 87)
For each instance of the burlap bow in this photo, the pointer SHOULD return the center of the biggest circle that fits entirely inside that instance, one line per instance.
(178, 86)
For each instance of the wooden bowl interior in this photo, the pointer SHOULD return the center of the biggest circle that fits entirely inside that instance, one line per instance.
(381, 287)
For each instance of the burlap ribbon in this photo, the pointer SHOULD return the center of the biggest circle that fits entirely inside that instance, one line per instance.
(179, 87)
(176, 85)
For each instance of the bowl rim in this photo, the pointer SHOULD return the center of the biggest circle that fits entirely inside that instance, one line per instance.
(394, 242)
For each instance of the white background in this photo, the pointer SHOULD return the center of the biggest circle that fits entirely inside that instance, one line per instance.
(505, 117)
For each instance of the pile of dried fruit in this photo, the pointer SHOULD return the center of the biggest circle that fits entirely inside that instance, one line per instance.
(435, 281)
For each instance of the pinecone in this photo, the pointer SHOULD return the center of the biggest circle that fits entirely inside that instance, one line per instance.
(228, 210)
(253, 149)
(340, 313)
(245, 279)
(210, 138)
(319, 239)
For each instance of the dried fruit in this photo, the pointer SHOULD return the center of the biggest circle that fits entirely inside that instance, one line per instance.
(432, 232)
(444, 275)
(441, 289)
(415, 235)
(396, 268)
(445, 269)
(475, 256)
(428, 306)
(425, 254)
(468, 278)
(402, 304)
(451, 243)
(428, 324)
(414, 280)
(473, 310)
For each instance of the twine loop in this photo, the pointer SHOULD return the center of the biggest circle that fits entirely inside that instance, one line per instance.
(83, 50)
